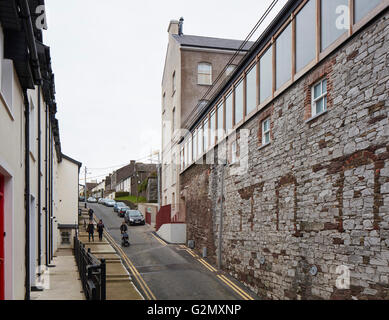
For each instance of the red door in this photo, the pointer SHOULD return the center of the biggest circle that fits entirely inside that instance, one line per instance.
(1, 237)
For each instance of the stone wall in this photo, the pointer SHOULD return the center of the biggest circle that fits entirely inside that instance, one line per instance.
(318, 195)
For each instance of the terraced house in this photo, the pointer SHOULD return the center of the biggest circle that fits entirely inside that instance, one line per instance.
(38, 183)
(285, 174)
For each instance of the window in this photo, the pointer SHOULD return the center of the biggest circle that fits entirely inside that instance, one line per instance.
(239, 102)
(363, 7)
(195, 146)
(335, 17)
(200, 147)
(206, 135)
(174, 82)
(319, 98)
(266, 131)
(229, 123)
(220, 120)
(284, 57)
(213, 128)
(163, 103)
(7, 80)
(266, 76)
(204, 73)
(174, 169)
(190, 150)
(230, 69)
(251, 89)
(174, 119)
(32, 128)
(306, 35)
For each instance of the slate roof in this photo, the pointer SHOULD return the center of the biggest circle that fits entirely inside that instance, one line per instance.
(211, 43)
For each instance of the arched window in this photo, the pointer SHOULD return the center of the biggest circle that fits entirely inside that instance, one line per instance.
(204, 71)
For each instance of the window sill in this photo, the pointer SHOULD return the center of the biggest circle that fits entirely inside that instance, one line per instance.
(316, 116)
(264, 146)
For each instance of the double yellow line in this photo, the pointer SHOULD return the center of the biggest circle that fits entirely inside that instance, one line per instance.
(223, 278)
(159, 240)
(134, 271)
(234, 287)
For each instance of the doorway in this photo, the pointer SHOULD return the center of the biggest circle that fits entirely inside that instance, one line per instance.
(2, 255)
(32, 241)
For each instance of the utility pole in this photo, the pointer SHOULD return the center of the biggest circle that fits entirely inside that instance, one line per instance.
(85, 188)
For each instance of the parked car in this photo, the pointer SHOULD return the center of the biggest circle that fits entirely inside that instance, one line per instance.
(81, 199)
(110, 203)
(101, 200)
(122, 211)
(118, 205)
(133, 217)
(92, 200)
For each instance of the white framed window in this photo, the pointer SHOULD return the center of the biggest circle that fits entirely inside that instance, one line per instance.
(266, 131)
(32, 128)
(7, 80)
(204, 73)
(319, 97)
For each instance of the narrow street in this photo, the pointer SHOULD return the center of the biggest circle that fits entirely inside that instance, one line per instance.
(169, 272)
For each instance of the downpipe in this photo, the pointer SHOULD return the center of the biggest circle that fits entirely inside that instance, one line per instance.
(27, 193)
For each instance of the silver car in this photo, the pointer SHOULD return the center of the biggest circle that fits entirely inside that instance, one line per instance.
(110, 203)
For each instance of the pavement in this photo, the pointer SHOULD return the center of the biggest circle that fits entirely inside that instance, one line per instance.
(63, 280)
(119, 285)
(163, 271)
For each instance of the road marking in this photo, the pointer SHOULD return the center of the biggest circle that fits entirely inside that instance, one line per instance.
(212, 268)
(134, 271)
(236, 288)
(203, 263)
(190, 253)
(160, 240)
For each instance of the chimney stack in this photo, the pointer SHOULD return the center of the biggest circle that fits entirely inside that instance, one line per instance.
(173, 27)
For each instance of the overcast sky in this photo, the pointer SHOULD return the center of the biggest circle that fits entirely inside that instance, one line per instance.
(108, 59)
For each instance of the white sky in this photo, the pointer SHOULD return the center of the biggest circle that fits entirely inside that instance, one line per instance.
(108, 59)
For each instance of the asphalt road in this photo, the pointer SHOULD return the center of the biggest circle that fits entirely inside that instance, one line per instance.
(170, 272)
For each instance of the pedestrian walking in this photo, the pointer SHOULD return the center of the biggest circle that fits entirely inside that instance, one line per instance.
(91, 230)
(90, 212)
(100, 229)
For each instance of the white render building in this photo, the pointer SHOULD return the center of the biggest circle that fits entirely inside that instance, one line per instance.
(38, 184)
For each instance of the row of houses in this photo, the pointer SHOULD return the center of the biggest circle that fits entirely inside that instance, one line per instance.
(38, 182)
(282, 174)
(128, 179)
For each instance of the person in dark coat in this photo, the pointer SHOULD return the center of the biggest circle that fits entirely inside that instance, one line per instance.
(90, 212)
(91, 230)
(100, 229)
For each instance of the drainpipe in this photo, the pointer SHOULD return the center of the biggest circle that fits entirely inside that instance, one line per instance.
(46, 186)
(39, 178)
(219, 249)
(27, 192)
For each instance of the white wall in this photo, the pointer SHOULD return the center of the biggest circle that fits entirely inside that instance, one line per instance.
(173, 233)
(66, 194)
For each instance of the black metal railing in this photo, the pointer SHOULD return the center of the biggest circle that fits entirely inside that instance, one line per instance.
(92, 272)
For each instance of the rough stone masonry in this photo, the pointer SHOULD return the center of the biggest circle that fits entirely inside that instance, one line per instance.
(318, 195)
